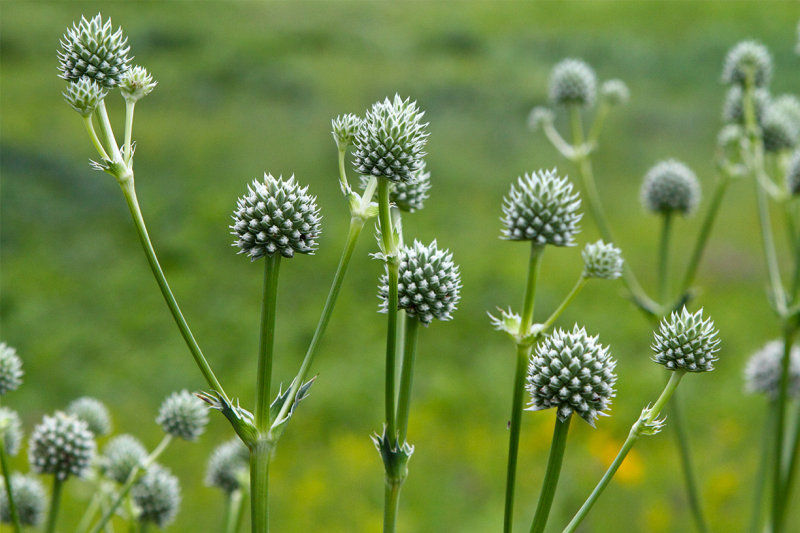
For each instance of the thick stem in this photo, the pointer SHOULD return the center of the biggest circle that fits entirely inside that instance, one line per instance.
(6, 472)
(392, 266)
(269, 301)
(407, 376)
(391, 501)
(55, 503)
(663, 258)
(551, 474)
(87, 121)
(102, 115)
(761, 474)
(260, 456)
(682, 440)
(778, 473)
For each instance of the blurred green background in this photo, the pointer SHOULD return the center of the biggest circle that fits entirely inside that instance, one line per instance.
(246, 87)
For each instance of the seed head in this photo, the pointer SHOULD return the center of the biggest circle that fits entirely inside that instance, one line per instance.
(543, 208)
(276, 216)
(747, 58)
(157, 495)
(227, 465)
(572, 372)
(778, 130)
(84, 95)
(573, 82)
(10, 369)
(10, 430)
(429, 283)
(539, 116)
(793, 174)
(601, 260)
(733, 108)
(670, 186)
(61, 445)
(136, 83)
(615, 92)
(344, 128)
(120, 456)
(409, 196)
(389, 142)
(91, 48)
(762, 374)
(686, 342)
(183, 415)
(29, 499)
(94, 413)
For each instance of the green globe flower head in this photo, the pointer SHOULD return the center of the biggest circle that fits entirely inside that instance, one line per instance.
(390, 141)
(276, 216)
(615, 92)
(61, 445)
(747, 58)
(601, 260)
(429, 283)
(541, 207)
(787, 105)
(670, 186)
(157, 495)
(686, 341)
(10, 430)
(344, 128)
(228, 466)
(574, 373)
(539, 117)
(30, 500)
(793, 174)
(409, 196)
(10, 369)
(730, 136)
(120, 456)
(136, 83)
(778, 131)
(762, 374)
(91, 48)
(573, 82)
(733, 108)
(183, 415)
(84, 95)
(94, 413)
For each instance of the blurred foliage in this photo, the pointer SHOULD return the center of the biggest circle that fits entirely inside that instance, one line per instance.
(246, 87)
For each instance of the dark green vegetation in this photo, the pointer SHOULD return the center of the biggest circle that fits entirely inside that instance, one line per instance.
(249, 87)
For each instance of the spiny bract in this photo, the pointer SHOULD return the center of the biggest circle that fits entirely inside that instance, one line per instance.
(91, 48)
(276, 216)
(93, 412)
(763, 371)
(30, 500)
(573, 82)
(120, 456)
(601, 260)
(572, 372)
(543, 208)
(227, 466)
(61, 445)
(686, 341)
(10, 430)
(670, 186)
(10, 369)
(84, 95)
(747, 58)
(409, 196)
(157, 495)
(183, 415)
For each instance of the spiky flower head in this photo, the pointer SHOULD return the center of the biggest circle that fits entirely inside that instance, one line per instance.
(670, 186)
(344, 128)
(686, 341)
(91, 48)
(30, 500)
(157, 495)
(84, 95)
(539, 116)
(762, 374)
(120, 456)
(541, 207)
(61, 445)
(778, 131)
(789, 106)
(793, 174)
(730, 136)
(10, 430)
(747, 58)
(276, 216)
(136, 83)
(572, 372)
(183, 415)
(409, 196)
(93, 412)
(733, 107)
(10, 369)
(389, 142)
(602, 260)
(573, 82)
(227, 466)
(615, 92)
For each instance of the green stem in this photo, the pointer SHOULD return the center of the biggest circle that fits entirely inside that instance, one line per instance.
(648, 417)
(687, 465)
(407, 376)
(234, 512)
(778, 472)
(260, 456)
(87, 120)
(391, 500)
(392, 266)
(55, 502)
(342, 172)
(269, 302)
(576, 289)
(791, 467)
(91, 510)
(12, 507)
(551, 474)
(663, 258)
(102, 114)
(126, 148)
(597, 125)
(761, 473)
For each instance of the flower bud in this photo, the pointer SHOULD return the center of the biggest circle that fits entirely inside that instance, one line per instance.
(615, 92)
(573, 82)
(730, 136)
(747, 58)
(136, 83)
(183, 415)
(601, 260)
(686, 342)
(787, 105)
(793, 174)
(84, 95)
(762, 374)
(539, 116)
(733, 107)
(61, 445)
(30, 500)
(409, 196)
(344, 128)
(10, 369)
(390, 141)
(10, 430)
(778, 131)
(276, 216)
(572, 372)
(91, 48)
(670, 186)
(543, 208)
(157, 495)
(120, 456)
(227, 466)
(94, 413)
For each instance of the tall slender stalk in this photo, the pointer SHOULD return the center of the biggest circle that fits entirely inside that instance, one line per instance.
(779, 489)
(266, 345)
(682, 440)
(391, 501)
(761, 474)
(551, 475)
(389, 251)
(259, 485)
(407, 376)
(663, 257)
(55, 503)
(12, 507)
(234, 511)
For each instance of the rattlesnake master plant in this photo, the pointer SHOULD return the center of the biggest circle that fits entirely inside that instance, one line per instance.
(778, 131)
(61, 445)
(429, 283)
(733, 108)
(30, 500)
(572, 372)
(539, 116)
(136, 83)
(389, 142)
(84, 95)
(793, 174)
(10, 430)
(276, 216)
(10, 369)
(92, 49)
(788, 105)
(541, 207)
(227, 466)
(573, 82)
(410, 195)
(762, 374)
(344, 128)
(120, 456)
(157, 496)
(615, 92)
(747, 57)
(602, 260)
(93, 412)
(183, 415)
(686, 341)
(670, 186)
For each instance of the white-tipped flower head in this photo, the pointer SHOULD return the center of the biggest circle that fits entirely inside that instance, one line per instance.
(30, 500)
(541, 207)
(409, 195)
(276, 216)
(136, 83)
(572, 372)
(183, 415)
(670, 186)
(747, 58)
(730, 136)
(539, 116)
(91, 48)
(120, 456)
(10, 430)
(762, 374)
(789, 106)
(344, 128)
(429, 283)
(601, 260)
(778, 130)
(157, 495)
(686, 341)
(733, 108)
(793, 174)
(94, 413)
(10, 369)
(227, 466)
(61, 445)
(573, 82)
(389, 142)
(615, 92)
(84, 95)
